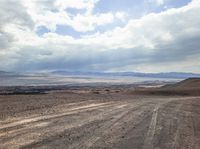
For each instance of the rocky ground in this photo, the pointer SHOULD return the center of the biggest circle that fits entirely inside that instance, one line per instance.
(99, 118)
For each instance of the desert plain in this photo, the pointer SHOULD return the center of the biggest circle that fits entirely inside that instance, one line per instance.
(102, 117)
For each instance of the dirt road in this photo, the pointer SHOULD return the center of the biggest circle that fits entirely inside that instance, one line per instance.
(105, 120)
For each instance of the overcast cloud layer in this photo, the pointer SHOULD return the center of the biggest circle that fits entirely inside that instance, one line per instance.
(83, 35)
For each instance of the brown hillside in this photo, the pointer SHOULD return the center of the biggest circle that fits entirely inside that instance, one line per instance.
(190, 87)
(190, 83)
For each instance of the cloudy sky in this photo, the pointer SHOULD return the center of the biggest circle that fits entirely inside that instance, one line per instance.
(100, 35)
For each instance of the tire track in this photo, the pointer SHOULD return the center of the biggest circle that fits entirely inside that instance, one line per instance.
(121, 120)
(152, 127)
(175, 144)
(104, 110)
(46, 117)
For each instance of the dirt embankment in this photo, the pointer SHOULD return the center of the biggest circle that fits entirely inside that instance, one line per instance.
(188, 87)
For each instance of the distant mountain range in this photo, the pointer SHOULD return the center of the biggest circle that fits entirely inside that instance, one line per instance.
(5, 73)
(177, 75)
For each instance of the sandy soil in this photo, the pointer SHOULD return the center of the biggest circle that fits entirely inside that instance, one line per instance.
(99, 119)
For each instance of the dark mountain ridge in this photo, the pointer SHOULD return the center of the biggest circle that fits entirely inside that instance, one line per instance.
(178, 75)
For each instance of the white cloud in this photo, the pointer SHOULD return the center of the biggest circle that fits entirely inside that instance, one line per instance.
(164, 38)
(88, 22)
(121, 15)
(78, 4)
(57, 14)
(158, 2)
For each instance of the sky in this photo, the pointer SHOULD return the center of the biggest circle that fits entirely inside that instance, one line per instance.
(100, 35)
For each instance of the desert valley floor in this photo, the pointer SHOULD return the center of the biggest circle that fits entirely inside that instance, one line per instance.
(99, 119)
